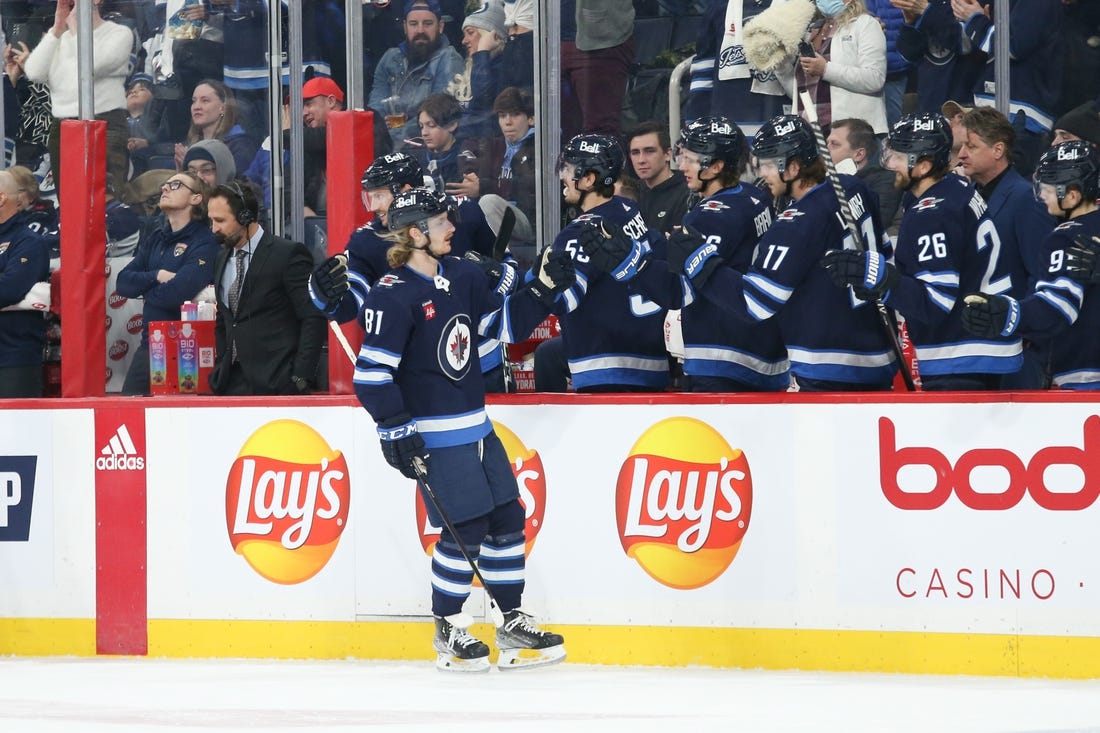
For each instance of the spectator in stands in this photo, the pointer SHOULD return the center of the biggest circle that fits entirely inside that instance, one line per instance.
(662, 193)
(31, 128)
(40, 214)
(173, 263)
(731, 89)
(23, 263)
(597, 51)
(1022, 222)
(519, 54)
(53, 62)
(932, 42)
(439, 151)
(954, 112)
(144, 129)
(214, 117)
(1080, 123)
(424, 64)
(484, 38)
(854, 140)
(897, 67)
(211, 161)
(846, 74)
(268, 335)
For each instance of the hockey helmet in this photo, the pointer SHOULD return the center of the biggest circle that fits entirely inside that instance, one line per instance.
(923, 135)
(713, 138)
(393, 171)
(1072, 163)
(784, 137)
(599, 154)
(415, 207)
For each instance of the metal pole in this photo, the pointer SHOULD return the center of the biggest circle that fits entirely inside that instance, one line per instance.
(1001, 59)
(548, 120)
(84, 60)
(275, 111)
(353, 50)
(296, 179)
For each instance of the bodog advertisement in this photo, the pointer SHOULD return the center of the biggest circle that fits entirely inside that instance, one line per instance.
(682, 502)
(286, 501)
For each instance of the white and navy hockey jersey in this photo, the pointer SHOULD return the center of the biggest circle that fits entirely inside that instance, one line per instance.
(1066, 311)
(830, 335)
(419, 350)
(948, 247)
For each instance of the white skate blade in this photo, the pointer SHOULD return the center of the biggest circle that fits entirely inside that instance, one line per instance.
(451, 663)
(513, 659)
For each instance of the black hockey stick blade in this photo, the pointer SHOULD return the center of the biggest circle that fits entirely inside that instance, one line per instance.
(504, 236)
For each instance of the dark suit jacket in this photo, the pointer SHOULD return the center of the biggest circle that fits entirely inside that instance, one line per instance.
(278, 331)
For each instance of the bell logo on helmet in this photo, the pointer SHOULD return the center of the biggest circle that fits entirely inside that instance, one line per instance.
(722, 128)
(587, 147)
(786, 128)
(924, 125)
(1068, 153)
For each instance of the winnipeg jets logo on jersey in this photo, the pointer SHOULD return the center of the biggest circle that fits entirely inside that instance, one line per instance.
(1067, 225)
(789, 215)
(387, 281)
(712, 205)
(454, 349)
(926, 203)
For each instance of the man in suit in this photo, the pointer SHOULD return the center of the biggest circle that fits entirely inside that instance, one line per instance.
(268, 334)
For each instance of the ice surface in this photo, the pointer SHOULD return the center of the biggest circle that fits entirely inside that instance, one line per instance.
(112, 695)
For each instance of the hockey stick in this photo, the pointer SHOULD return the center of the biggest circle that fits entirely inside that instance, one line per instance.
(343, 340)
(810, 110)
(504, 236)
(421, 471)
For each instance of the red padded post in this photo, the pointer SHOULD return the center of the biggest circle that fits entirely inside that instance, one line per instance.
(83, 258)
(350, 151)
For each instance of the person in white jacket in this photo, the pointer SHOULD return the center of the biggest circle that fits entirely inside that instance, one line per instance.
(53, 62)
(843, 64)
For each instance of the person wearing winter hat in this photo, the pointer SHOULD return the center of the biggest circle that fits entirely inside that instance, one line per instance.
(212, 161)
(1080, 123)
(484, 36)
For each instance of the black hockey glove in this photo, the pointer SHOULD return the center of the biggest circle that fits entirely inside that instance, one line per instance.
(1083, 260)
(990, 315)
(693, 254)
(328, 282)
(502, 276)
(555, 275)
(869, 274)
(612, 250)
(401, 443)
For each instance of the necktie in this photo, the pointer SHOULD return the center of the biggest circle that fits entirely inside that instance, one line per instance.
(238, 281)
(235, 294)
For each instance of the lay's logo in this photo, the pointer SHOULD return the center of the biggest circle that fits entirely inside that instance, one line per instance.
(286, 501)
(682, 502)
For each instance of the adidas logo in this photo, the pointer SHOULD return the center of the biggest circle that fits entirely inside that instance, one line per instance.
(120, 454)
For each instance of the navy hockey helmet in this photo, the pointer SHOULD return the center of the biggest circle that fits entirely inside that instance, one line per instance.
(415, 207)
(393, 171)
(713, 138)
(599, 154)
(924, 135)
(784, 137)
(1072, 163)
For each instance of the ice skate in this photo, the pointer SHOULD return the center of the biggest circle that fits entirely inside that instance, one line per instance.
(459, 650)
(523, 644)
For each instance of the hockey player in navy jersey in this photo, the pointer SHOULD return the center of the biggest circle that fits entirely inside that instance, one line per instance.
(833, 342)
(946, 246)
(1064, 305)
(417, 376)
(720, 354)
(339, 284)
(613, 339)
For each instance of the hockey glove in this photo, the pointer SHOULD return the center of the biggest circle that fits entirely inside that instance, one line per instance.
(1082, 260)
(693, 254)
(990, 315)
(401, 443)
(328, 282)
(502, 276)
(556, 274)
(612, 250)
(869, 274)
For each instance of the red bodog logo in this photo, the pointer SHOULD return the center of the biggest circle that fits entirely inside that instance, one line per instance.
(1024, 477)
(286, 501)
(682, 502)
(527, 466)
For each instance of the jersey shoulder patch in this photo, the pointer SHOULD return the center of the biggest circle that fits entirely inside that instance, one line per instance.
(927, 203)
(790, 214)
(388, 280)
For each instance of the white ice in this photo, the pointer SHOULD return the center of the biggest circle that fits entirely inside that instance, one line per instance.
(105, 695)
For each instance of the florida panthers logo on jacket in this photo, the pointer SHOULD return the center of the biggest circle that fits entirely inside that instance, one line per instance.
(455, 347)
